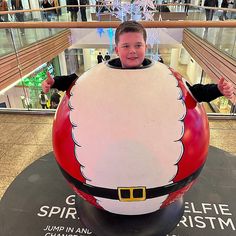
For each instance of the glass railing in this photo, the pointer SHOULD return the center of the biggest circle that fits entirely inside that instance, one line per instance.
(24, 94)
(20, 79)
(121, 11)
(21, 38)
(224, 39)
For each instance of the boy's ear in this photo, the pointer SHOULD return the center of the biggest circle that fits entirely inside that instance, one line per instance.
(116, 49)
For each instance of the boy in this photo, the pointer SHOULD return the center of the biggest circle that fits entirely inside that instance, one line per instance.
(130, 40)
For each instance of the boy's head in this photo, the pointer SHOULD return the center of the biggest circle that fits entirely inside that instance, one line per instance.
(128, 27)
(130, 39)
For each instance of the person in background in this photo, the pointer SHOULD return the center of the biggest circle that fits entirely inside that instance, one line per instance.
(55, 99)
(224, 4)
(100, 57)
(47, 14)
(4, 7)
(163, 8)
(26, 102)
(232, 4)
(160, 59)
(43, 99)
(107, 57)
(83, 9)
(210, 12)
(73, 10)
(17, 5)
(100, 6)
(186, 7)
(56, 12)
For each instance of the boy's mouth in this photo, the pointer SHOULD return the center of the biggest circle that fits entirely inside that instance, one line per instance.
(132, 58)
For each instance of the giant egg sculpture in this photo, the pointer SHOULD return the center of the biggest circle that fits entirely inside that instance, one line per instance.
(130, 141)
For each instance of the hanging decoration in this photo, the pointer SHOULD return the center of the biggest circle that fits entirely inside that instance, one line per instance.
(120, 11)
(153, 36)
(136, 13)
(153, 39)
(110, 33)
(157, 57)
(117, 10)
(100, 31)
(147, 8)
(134, 10)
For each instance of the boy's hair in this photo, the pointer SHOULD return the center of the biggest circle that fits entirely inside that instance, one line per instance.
(130, 26)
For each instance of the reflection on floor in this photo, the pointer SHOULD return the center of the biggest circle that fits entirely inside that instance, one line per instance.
(25, 138)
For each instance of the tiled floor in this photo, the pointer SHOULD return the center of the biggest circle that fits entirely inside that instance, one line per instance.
(25, 138)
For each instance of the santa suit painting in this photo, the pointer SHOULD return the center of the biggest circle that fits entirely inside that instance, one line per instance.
(133, 141)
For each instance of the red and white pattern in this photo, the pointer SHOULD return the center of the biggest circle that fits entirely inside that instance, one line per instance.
(127, 128)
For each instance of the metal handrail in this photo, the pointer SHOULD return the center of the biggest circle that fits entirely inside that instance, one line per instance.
(114, 24)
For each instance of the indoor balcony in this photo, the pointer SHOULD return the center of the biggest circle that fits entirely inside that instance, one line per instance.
(202, 51)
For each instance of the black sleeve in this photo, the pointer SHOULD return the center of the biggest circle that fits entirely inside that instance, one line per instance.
(205, 93)
(63, 83)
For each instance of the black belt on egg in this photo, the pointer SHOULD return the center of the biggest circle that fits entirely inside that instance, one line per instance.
(131, 194)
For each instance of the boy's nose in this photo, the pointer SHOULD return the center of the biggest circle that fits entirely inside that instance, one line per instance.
(132, 50)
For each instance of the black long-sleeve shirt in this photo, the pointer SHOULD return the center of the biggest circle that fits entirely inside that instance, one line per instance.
(63, 83)
(202, 93)
(205, 93)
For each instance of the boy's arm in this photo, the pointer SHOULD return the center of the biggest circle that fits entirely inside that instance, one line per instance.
(209, 92)
(61, 83)
(205, 93)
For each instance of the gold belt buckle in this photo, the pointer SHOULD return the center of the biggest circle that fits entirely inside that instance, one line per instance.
(132, 194)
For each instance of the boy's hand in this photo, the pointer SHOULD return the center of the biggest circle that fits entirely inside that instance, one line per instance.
(226, 88)
(47, 83)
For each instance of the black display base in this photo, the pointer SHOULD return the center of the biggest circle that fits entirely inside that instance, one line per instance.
(104, 223)
(39, 202)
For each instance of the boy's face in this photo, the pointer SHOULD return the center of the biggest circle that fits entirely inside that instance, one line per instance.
(131, 49)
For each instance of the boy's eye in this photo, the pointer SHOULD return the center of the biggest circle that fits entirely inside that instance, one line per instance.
(125, 46)
(138, 45)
